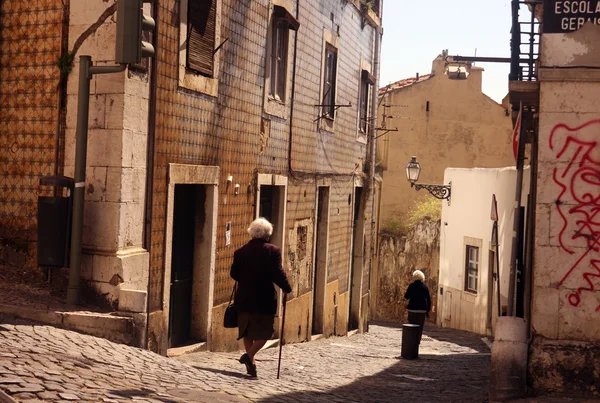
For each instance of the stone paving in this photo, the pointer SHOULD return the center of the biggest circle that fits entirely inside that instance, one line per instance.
(26, 287)
(42, 363)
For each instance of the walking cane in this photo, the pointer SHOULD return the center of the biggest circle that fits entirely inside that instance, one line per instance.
(281, 335)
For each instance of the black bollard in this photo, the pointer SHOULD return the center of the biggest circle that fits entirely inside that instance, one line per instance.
(410, 341)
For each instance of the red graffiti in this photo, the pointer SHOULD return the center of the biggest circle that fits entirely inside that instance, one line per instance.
(579, 184)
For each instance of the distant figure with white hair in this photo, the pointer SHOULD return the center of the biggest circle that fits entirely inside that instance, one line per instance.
(256, 266)
(419, 301)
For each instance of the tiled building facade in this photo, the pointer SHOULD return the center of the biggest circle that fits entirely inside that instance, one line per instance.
(30, 44)
(186, 151)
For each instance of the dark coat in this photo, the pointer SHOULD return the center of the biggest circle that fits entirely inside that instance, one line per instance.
(418, 297)
(256, 266)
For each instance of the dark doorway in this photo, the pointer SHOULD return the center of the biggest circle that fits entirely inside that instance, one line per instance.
(490, 290)
(182, 264)
(356, 261)
(266, 202)
(271, 206)
(320, 275)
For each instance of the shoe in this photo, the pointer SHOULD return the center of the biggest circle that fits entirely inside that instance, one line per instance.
(250, 368)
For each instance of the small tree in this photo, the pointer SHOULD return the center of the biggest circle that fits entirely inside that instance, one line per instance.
(427, 207)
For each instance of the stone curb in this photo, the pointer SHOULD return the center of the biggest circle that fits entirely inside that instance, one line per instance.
(4, 398)
(117, 329)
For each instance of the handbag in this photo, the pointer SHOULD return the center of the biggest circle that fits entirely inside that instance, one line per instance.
(231, 317)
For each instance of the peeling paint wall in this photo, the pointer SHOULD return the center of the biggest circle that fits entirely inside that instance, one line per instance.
(399, 256)
(299, 255)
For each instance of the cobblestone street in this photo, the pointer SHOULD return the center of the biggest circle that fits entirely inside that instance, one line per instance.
(41, 363)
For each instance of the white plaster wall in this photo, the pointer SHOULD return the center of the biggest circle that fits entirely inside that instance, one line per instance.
(468, 215)
(114, 258)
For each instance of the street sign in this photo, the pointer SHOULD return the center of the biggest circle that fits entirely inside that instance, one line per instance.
(494, 213)
(517, 134)
(562, 16)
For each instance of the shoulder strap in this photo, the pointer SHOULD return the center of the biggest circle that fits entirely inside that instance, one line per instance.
(233, 292)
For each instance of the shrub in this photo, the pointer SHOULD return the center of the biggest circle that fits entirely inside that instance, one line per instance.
(427, 207)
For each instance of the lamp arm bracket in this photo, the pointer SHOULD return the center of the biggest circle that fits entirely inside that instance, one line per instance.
(441, 192)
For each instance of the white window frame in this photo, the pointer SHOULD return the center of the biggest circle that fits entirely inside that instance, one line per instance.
(329, 38)
(277, 106)
(472, 260)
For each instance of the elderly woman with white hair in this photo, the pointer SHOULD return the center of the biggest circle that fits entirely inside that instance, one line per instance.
(256, 266)
(419, 301)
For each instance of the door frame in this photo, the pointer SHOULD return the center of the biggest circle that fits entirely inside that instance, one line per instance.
(356, 266)
(490, 288)
(278, 237)
(318, 306)
(204, 262)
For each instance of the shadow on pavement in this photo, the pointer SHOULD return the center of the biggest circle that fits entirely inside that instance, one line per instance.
(431, 378)
(431, 331)
(141, 393)
(222, 372)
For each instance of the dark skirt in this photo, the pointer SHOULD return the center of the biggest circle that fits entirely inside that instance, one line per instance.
(256, 326)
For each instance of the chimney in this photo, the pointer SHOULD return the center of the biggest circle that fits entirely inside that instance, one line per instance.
(475, 77)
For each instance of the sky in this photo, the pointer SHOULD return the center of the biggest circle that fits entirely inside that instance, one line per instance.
(416, 32)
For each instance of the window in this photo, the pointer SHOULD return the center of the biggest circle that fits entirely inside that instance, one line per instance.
(366, 82)
(201, 36)
(279, 52)
(364, 105)
(471, 268)
(329, 77)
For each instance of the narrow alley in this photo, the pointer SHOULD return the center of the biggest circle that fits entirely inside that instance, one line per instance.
(42, 363)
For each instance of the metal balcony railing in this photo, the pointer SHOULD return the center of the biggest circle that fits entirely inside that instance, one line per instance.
(525, 40)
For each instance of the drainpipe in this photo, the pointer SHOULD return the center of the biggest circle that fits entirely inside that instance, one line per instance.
(533, 169)
(373, 145)
(294, 63)
(514, 256)
(147, 229)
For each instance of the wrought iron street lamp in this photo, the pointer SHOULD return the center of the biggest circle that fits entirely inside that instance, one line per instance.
(413, 170)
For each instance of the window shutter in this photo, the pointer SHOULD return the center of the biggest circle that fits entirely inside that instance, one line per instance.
(283, 13)
(201, 35)
(282, 59)
(333, 78)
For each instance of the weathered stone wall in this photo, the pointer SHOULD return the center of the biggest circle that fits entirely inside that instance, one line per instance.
(565, 311)
(399, 256)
